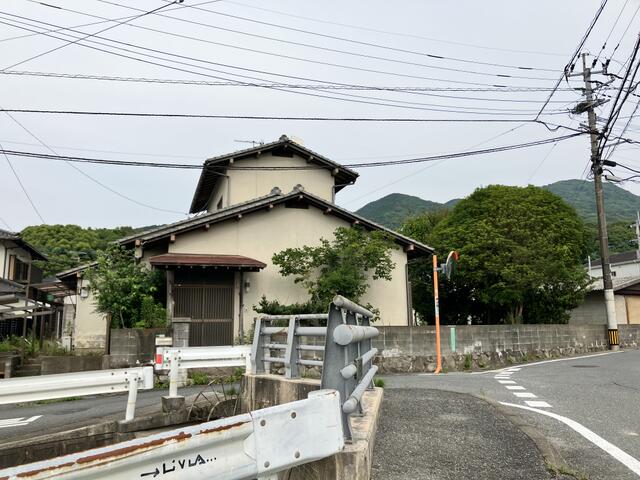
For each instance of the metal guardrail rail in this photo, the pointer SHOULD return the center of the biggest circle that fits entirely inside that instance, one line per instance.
(256, 444)
(184, 358)
(347, 364)
(291, 352)
(63, 385)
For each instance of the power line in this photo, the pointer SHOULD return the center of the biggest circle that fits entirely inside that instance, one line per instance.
(333, 37)
(403, 89)
(85, 174)
(275, 117)
(398, 180)
(239, 75)
(24, 189)
(6, 224)
(400, 34)
(570, 66)
(368, 70)
(88, 35)
(290, 57)
(407, 161)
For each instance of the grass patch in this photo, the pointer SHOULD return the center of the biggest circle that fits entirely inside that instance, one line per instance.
(199, 378)
(378, 382)
(468, 361)
(157, 384)
(556, 470)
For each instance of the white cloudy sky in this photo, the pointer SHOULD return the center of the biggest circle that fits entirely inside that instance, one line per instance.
(541, 35)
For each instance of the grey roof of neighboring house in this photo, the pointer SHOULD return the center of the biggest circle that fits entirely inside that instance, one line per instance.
(210, 176)
(619, 283)
(16, 238)
(9, 286)
(615, 258)
(276, 197)
(75, 270)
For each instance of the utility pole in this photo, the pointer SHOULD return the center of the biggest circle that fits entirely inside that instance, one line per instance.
(596, 166)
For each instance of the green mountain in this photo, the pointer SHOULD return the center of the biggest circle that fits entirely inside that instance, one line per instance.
(621, 205)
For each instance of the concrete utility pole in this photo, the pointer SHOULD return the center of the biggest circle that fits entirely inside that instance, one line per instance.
(596, 166)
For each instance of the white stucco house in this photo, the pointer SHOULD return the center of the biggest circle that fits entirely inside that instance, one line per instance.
(218, 262)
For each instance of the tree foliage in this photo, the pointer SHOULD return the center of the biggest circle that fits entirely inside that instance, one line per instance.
(341, 266)
(68, 246)
(126, 291)
(521, 257)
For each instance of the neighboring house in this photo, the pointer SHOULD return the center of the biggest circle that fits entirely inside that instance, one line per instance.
(623, 265)
(23, 306)
(627, 298)
(218, 263)
(86, 328)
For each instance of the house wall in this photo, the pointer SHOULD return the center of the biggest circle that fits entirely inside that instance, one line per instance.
(621, 270)
(262, 234)
(249, 184)
(89, 327)
(593, 311)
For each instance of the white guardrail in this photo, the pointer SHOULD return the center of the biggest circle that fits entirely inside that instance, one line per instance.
(174, 359)
(63, 385)
(256, 444)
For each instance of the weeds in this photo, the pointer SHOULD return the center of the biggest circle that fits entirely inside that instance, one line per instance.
(56, 400)
(199, 378)
(468, 361)
(378, 382)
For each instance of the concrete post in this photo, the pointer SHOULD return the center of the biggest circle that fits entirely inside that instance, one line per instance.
(133, 396)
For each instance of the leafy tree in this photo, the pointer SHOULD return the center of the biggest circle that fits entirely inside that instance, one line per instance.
(126, 291)
(521, 257)
(340, 266)
(68, 246)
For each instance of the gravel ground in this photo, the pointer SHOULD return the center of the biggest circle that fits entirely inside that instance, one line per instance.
(438, 435)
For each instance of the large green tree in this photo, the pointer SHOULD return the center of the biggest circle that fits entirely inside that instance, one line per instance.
(126, 291)
(341, 266)
(521, 257)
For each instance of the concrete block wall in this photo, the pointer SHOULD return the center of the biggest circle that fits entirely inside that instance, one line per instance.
(129, 346)
(413, 348)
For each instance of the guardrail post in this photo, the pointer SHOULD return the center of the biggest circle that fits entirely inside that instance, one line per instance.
(366, 345)
(257, 350)
(173, 375)
(335, 358)
(132, 378)
(291, 367)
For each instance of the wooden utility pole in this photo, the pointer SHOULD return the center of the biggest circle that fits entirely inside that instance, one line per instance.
(596, 166)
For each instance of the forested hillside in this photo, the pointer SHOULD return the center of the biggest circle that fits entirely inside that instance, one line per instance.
(68, 246)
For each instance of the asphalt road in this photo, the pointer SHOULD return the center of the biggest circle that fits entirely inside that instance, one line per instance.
(586, 408)
(54, 417)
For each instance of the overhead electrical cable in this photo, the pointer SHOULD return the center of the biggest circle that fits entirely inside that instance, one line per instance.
(215, 63)
(59, 47)
(169, 81)
(354, 41)
(570, 65)
(405, 161)
(22, 187)
(604, 45)
(399, 34)
(291, 57)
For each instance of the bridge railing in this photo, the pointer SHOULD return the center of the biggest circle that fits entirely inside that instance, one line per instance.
(347, 364)
(291, 353)
(258, 444)
(63, 385)
(185, 358)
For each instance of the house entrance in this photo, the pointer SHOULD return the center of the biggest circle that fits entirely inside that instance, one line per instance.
(209, 306)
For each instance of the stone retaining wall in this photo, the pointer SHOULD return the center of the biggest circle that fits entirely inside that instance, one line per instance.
(466, 347)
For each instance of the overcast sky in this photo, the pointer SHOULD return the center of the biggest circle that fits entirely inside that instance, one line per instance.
(541, 35)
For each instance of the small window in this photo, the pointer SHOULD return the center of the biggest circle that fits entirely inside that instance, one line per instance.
(219, 206)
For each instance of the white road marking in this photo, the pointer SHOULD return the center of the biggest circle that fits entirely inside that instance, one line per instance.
(503, 377)
(514, 387)
(524, 394)
(517, 369)
(533, 364)
(505, 382)
(16, 422)
(537, 403)
(627, 460)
